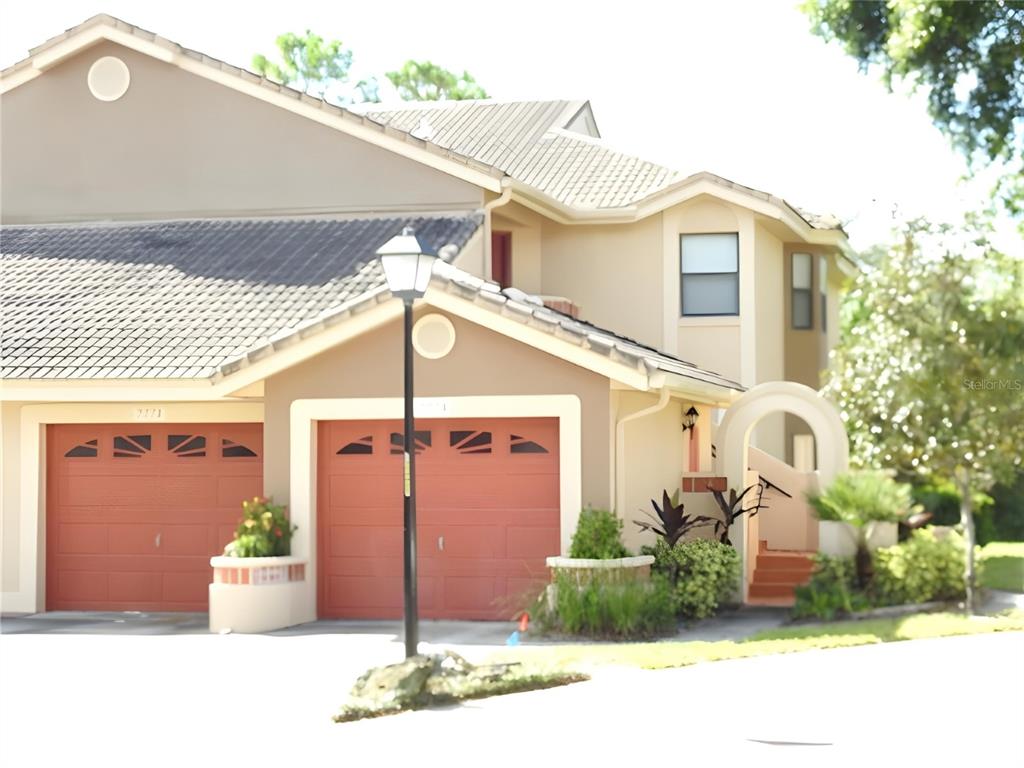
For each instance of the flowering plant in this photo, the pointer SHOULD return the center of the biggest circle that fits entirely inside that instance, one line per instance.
(264, 530)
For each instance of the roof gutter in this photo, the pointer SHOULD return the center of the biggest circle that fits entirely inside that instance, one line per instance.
(620, 447)
(500, 200)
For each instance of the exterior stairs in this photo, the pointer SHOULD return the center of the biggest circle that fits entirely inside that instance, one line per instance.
(777, 573)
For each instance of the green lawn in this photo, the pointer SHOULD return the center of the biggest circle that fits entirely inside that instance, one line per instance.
(784, 640)
(1004, 565)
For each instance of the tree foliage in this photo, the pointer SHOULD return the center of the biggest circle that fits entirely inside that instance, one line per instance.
(311, 64)
(968, 55)
(929, 374)
(321, 67)
(426, 81)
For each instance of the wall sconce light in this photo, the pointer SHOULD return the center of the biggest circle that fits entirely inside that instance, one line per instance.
(690, 419)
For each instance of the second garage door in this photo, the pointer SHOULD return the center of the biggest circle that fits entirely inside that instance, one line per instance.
(134, 511)
(487, 509)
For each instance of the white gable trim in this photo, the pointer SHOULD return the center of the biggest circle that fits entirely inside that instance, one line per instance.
(301, 104)
(295, 349)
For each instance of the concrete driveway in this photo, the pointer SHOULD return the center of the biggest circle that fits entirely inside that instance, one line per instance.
(117, 699)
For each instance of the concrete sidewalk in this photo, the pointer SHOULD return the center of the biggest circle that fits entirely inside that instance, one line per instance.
(732, 625)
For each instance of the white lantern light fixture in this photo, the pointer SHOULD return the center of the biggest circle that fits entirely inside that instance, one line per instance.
(408, 263)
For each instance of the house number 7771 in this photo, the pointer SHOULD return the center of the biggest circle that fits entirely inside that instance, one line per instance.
(149, 413)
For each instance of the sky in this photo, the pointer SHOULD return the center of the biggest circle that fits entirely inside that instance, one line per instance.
(738, 88)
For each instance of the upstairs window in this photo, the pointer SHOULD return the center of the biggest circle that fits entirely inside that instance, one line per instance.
(823, 289)
(800, 304)
(710, 281)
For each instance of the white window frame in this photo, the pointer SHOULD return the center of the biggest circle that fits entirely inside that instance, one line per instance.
(682, 275)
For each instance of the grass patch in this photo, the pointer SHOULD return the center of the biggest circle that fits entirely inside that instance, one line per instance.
(1003, 565)
(839, 634)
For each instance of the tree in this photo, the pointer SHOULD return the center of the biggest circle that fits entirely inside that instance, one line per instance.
(969, 56)
(426, 81)
(309, 63)
(929, 375)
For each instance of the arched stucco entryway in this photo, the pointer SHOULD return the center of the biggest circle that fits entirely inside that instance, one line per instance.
(733, 436)
(732, 443)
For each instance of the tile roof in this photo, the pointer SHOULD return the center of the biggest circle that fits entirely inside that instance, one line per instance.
(202, 299)
(174, 300)
(508, 302)
(530, 141)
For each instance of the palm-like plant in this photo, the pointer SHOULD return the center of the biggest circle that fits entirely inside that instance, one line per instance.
(863, 500)
(672, 521)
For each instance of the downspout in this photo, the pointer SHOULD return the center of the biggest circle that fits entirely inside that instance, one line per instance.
(502, 199)
(620, 448)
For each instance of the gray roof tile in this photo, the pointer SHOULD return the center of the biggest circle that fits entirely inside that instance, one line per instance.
(169, 298)
(529, 141)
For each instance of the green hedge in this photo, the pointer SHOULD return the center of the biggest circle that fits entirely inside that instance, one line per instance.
(703, 575)
(921, 569)
(924, 568)
(831, 590)
(598, 536)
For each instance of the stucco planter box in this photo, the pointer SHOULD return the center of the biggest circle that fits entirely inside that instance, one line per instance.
(256, 594)
(840, 539)
(617, 569)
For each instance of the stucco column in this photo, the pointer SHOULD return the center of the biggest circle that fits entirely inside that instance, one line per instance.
(748, 301)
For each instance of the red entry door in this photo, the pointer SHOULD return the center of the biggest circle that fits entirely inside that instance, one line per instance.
(487, 516)
(501, 258)
(134, 511)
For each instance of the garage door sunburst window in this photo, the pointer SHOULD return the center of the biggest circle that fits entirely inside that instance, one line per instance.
(132, 446)
(90, 449)
(470, 441)
(187, 446)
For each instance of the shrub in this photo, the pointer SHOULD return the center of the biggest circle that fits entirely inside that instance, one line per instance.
(942, 499)
(628, 610)
(264, 530)
(598, 536)
(703, 574)
(830, 591)
(863, 499)
(860, 498)
(923, 568)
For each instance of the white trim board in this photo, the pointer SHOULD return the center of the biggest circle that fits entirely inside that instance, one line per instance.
(303, 455)
(30, 596)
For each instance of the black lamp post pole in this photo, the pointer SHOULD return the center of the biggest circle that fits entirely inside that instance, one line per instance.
(409, 508)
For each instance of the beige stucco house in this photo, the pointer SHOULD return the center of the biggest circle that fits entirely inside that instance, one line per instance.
(193, 314)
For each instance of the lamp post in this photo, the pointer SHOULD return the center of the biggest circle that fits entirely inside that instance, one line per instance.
(408, 263)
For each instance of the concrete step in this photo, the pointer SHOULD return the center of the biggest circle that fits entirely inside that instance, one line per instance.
(781, 576)
(778, 602)
(771, 590)
(796, 562)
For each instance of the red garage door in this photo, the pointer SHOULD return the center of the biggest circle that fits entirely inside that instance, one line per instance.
(487, 511)
(134, 511)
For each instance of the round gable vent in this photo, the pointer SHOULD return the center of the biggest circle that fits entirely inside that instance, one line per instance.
(108, 78)
(433, 336)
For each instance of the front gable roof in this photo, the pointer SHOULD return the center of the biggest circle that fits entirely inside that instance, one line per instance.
(104, 27)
